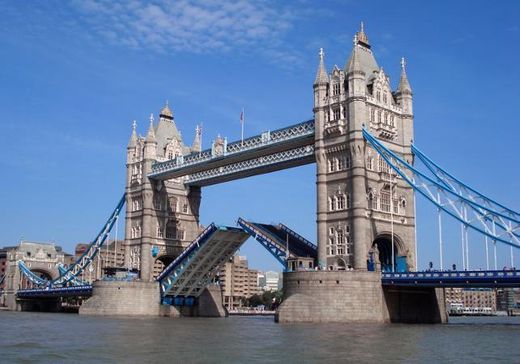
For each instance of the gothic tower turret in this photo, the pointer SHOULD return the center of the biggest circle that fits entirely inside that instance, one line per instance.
(360, 200)
(162, 216)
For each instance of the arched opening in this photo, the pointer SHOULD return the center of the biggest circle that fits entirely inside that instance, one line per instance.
(25, 283)
(160, 263)
(380, 256)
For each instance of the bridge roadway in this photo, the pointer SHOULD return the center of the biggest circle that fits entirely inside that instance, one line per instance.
(268, 152)
(462, 279)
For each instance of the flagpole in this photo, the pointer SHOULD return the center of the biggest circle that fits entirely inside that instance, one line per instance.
(243, 118)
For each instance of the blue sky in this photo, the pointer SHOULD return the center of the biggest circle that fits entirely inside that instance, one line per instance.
(74, 74)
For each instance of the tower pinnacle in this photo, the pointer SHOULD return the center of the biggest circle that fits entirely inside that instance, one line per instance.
(150, 137)
(133, 137)
(321, 74)
(404, 85)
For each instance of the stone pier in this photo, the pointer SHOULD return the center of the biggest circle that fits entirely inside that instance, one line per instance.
(355, 296)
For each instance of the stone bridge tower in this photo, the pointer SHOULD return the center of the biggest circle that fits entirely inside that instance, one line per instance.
(361, 201)
(162, 217)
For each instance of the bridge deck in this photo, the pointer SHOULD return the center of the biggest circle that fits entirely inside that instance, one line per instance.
(191, 272)
(463, 279)
(277, 239)
(74, 291)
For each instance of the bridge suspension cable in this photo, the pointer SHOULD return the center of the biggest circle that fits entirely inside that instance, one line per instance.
(70, 275)
(494, 220)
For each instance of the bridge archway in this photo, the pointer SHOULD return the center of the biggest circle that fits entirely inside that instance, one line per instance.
(162, 262)
(40, 272)
(380, 255)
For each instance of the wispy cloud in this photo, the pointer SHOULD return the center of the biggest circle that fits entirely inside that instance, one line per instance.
(192, 26)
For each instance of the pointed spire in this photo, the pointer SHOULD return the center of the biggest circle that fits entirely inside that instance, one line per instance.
(354, 64)
(404, 85)
(133, 137)
(197, 142)
(321, 75)
(150, 137)
(362, 37)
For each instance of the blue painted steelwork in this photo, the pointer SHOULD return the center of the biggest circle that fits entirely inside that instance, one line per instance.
(174, 268)
(465, 279)
(73, 291)
(497, 225)
(72, 272)
(298, 237)
(267, 139)
(199, 263)
(2, 279)
(75, 281)
(272, 245)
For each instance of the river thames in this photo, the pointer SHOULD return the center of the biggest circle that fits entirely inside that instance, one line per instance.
(53, 338)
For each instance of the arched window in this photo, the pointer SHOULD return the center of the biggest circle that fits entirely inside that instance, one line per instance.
(348, 201)
(332, 164)
(370, 163)
(341, 237)
(159, 232)
(341, 202)
(171, 230)
(385, 199)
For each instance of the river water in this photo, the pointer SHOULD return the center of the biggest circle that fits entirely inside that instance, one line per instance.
(54, 338)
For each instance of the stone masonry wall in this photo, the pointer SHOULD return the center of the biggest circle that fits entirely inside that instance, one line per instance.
(332, 296)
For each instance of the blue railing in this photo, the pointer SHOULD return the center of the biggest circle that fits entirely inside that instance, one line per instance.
(494, 278)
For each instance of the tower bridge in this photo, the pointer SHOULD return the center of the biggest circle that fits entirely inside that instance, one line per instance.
(363, 266)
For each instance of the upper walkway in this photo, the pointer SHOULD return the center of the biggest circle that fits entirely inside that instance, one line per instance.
(270, 151)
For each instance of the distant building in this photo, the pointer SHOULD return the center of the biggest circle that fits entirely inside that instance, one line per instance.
(111, 255)
(506, 299)
(238, 282)
(477, 300)
(272, 281)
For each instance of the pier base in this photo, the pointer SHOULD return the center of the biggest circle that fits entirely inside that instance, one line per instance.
(355, 296)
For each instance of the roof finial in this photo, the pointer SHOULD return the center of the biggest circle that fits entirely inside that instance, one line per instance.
(403, 63)
(362, 37)
(151, 119)
(355, 39)
(134, 125)
(322, 54)
(362, 27)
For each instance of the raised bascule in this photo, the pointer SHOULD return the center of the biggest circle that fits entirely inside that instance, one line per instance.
(363, 266)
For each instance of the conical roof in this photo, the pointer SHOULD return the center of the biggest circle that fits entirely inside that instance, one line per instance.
(321, 74)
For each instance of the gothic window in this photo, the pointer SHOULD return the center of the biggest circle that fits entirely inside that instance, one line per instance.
(347, 162)
(386, 118)
(331, 204)
(385, 100)
(378, 95)
(332, 165)
(385, 199)
(348, 200)
(159, 233)
(341, 237)
(392, 121)
(170, 154)
(372, 114)
(327, 116)
(383, 166)
(341, 202)
(336, 114)
(180, 234)
(370, 163)
(185, 208)
(341, 163)
(136, 204)
(379, 116)
(335, 89)
(171, 230)
(341, 250)
(173, 204)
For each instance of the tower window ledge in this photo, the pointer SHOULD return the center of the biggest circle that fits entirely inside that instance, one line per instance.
(335, 126)
(386, 131)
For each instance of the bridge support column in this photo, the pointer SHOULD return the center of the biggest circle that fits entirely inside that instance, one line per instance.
(356, 296)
